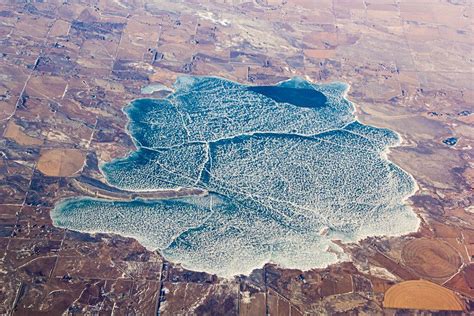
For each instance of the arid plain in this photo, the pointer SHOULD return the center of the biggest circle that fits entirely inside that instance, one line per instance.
(67, 69)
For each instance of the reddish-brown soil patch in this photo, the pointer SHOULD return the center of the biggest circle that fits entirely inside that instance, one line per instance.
(252, 305)
(463, 282)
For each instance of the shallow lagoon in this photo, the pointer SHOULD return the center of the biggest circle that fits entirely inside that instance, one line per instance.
(288, 169)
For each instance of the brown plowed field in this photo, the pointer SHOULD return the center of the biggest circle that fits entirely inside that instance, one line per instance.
(431, 258)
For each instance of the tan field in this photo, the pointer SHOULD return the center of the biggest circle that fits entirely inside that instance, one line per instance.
(15, 132)
(421, 294)
(61, 162)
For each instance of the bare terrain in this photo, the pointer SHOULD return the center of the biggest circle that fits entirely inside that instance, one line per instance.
(67, 68)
